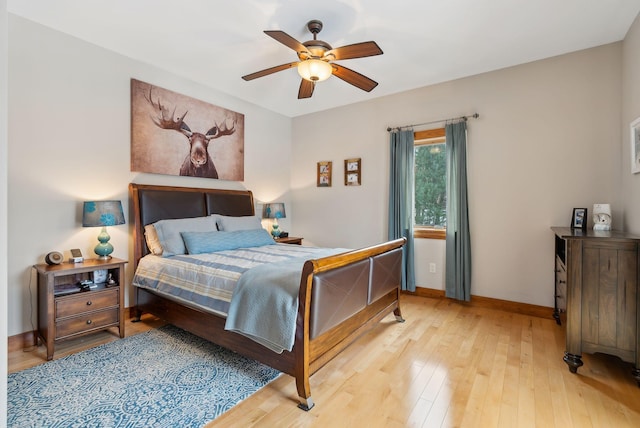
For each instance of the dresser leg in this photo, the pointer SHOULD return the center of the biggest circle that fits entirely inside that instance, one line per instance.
(573, 361)
(636, 374)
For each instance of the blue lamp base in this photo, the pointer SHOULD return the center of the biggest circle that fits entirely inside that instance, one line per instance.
(275, 230)
(104, 248)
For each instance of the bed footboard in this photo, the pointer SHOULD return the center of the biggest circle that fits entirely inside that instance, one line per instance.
(341, 298)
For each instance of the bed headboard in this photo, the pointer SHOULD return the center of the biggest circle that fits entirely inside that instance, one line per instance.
(150, 203)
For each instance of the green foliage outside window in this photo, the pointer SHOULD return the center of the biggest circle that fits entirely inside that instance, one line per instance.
(430, 186)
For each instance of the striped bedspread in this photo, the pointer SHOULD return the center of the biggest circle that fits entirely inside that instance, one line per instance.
(207, 281)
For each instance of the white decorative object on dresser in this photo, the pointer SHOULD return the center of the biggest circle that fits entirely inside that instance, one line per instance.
(601, 217)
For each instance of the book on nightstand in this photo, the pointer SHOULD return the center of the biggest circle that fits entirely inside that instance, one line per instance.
(64, 289)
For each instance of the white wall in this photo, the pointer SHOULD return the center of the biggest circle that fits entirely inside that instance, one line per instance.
(546, 141)
(630, 111)
(3, 210)
(69, 134)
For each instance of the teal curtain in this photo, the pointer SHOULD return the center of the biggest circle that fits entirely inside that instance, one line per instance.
(401, 200)
(458, 243)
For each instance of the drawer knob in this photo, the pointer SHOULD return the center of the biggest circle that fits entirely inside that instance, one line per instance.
(89, 303)
(88, 321)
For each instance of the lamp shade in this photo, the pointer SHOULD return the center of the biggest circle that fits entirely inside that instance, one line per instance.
(273, 210)
(314, 70)
(102, 213)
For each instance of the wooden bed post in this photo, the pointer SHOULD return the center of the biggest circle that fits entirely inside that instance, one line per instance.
(301, 346)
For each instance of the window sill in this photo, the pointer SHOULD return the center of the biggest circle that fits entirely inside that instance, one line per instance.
(429, 233)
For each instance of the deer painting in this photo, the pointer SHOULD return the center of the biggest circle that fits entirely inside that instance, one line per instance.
(198, 163)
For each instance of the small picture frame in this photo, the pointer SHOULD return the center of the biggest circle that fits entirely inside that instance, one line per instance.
(635, 146)
(579, 218)
(352, 172)
(324, 174)
(100, 276)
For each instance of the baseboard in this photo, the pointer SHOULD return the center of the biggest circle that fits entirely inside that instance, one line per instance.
(489, 303)
(20, 341)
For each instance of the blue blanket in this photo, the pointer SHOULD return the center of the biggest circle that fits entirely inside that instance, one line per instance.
(264, 305)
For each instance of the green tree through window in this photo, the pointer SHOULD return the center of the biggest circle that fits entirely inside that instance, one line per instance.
(430, 185)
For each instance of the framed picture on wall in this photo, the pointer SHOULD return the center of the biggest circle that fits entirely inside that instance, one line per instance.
(324, 174)
(352, 172)
(635, 146)
(579, 218)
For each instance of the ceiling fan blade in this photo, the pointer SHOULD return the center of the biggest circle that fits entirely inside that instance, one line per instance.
(268, 71)
(287, 40)
(357, 50)
(354, 78)
(306, 89)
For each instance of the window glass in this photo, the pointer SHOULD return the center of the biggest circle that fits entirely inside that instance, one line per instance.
(430, 184)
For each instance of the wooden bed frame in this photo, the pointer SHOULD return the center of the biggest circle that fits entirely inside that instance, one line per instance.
(341, 296)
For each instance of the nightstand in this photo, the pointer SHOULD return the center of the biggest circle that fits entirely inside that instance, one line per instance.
(64, 311)
(290, 240)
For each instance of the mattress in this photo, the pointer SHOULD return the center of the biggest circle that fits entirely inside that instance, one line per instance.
(207, 281)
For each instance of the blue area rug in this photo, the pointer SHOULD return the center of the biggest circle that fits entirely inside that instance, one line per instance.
(161, 378)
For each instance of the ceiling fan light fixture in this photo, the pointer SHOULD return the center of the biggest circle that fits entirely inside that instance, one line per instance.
(315, 60)
(314, 70)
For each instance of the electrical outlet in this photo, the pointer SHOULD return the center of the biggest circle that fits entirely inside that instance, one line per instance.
(432, 267)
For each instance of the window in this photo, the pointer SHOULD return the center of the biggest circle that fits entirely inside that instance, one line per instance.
(430, 184)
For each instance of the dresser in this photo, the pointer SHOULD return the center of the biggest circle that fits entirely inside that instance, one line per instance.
(597, 282)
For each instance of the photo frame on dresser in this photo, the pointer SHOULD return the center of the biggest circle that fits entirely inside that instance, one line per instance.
(579, 218)
(635, 146)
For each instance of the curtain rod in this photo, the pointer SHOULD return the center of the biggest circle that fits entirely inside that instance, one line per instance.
(398, 128)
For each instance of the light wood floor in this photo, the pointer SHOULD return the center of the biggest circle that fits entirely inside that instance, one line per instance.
(448, 365)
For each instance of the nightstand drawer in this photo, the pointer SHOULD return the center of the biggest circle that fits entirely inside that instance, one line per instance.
(86, 302)
(94, 320)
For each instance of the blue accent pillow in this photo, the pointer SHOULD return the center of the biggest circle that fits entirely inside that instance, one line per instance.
(209, 242)
(231, 224)
(169, 232)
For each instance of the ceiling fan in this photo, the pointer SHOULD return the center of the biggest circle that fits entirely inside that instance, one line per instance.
(316, 60)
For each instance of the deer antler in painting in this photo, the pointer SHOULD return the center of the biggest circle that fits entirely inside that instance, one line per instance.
(198, 162)
(166, 120)
(221, 130)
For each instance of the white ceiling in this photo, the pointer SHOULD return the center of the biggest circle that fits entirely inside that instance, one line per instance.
(215, 42)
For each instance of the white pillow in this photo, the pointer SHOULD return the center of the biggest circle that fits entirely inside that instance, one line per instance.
(153, 243)
(169, 232)
(231, 224)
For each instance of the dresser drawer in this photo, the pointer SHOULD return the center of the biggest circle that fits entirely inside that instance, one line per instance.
(561, 285)
(86, 302)
(86, 322)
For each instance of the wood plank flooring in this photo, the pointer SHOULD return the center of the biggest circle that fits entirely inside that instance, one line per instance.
(448, 365)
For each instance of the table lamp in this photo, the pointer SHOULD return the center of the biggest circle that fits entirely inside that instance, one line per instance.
(274, 210)
(102, 214)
